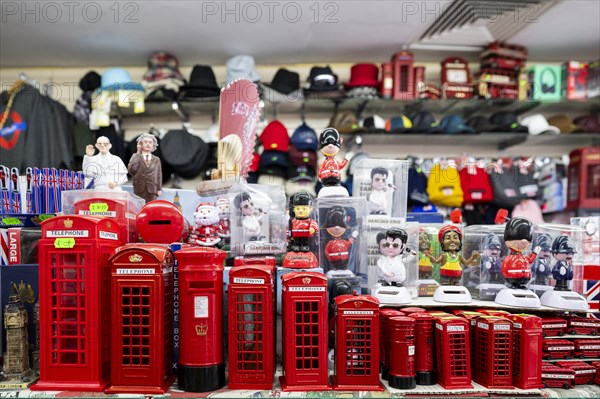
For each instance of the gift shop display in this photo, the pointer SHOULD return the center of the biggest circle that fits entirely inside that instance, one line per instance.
(301, 231)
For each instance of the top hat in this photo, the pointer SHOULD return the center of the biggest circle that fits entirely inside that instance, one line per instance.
(363, 75)
(203, 83)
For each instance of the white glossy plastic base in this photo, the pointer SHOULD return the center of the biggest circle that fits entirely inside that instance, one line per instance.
(567, 300)
(339, 274)
(391, 295)
(518, 298)
(540, 289)
(333, 191)
(452, 294)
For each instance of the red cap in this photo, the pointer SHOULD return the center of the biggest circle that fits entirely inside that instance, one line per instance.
(275, 137)
(448, 228)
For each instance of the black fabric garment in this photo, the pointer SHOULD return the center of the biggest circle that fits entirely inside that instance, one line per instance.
(184, 152)
(38, 131)
(506, 191)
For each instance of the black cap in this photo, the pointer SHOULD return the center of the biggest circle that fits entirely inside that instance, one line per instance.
(336, 216)
(506, 121)
(90, 81)
(544, 241)
(330, 136)
(518, 229)
(563, 245)
(301, 198)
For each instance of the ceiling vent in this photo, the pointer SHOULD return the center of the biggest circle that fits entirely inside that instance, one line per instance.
(469, 25)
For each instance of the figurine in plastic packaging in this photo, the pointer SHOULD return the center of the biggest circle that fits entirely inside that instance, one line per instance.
(516, 267)
(224, 229)
(391, 264)
(451, 260)
(563, 251)
(329, 171)
(107, 170)
(337, 249)
(301, 230)
(540, 269)
(251, 218)
(205, 232)
(425, 256)
(146, 168)
(491, 262)
(377, 199)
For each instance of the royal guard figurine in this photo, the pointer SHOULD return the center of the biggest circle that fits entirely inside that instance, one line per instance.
(329, 170)
(204, 233)
(224, 229)
(302, 229)
(451, 260)
(337, 249)
(563, 251)
(540, 269)
(516, 267)
(491, 265)
(425, 256)
(391, 266)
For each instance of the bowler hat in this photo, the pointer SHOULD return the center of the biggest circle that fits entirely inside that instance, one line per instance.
(203, 84)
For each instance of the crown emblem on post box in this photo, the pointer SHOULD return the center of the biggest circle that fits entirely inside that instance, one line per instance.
(201, 329)
(358, 304)
(135, 258)
(68, 223)
(306, 280)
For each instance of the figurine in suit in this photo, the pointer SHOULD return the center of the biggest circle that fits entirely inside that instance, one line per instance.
(146, 169)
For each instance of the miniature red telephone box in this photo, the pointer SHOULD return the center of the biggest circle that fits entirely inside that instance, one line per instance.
(404, 87)
(494, 346)
(424, 366)
(452, 354)
(251, 312)
(472, 317)
(201, 367)
(356, 344)
(105, 207)
(74, 282)
(402, 348)
(584, 178)
(304, 329)
(141, 319)
(384, 339)
(527, 343)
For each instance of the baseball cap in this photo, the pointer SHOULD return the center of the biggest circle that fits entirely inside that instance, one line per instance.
(587, 123)
(399, 124)
(305, 138)
(506, 121)
(455, 124)
(481, 124)
(298, 173)
(275, 137)
(273, 158)
(537, 124)
(300, 158)
(424, 122)
(346, 122)
(374, 124)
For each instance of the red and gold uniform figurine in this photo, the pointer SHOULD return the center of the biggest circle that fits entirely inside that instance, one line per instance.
(302, 229)
(516, 267)
(337, 249)
(329, 169)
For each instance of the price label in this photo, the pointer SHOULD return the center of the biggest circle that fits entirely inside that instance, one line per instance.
(45, 217)
(99, 207)
(68, 242)
(11, 221)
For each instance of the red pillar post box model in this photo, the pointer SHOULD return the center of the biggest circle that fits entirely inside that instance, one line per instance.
(74, 282)
(304, 332)
(141, 319)
(160, 222)
(412, 309)
(452, 353)
(251, 312)
(402, 347)
(424, 366)
(527, 343)
(494, 358)
(201, 367)
(384, 348)
(356, 344)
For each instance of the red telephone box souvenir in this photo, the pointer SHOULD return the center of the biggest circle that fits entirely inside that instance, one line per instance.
(456, 79)
(251, 312)
(356, 344)
(74, 282)
(452, 352)
(402, 348)
(404, 87)
(424, 366)
(141, 319)
(494, 352)
(201, 367)
(527, 343)
(304, 332)
(111, 208)
(584, 178)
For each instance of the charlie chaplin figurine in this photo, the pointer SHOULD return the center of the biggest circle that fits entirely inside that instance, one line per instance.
(146, 169)
(377, 199)
(329, 170)
(252, 218)
(451, 260)
(337, 249)
(391, 268)
(491, 264)
(302, 228)
(516, 267)
(425, 256)
(540, 269)
(563, 251)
